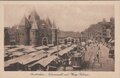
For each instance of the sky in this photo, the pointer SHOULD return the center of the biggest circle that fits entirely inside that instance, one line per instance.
(67, 17)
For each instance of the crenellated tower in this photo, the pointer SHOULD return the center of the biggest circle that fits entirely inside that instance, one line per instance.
(54, 34)
(34, 34)
(24, 30)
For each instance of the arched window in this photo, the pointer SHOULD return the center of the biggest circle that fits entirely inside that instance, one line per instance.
(44, 41)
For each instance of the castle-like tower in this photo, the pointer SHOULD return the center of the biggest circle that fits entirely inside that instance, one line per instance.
(35, 31)
(54, 34)
(34, 34)
(24, 32)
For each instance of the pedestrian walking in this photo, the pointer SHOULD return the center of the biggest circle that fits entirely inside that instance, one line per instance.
(64, 64)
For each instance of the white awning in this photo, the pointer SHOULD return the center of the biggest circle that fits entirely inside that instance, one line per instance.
(14, 49)
(25, 58)
(52, 51)
(29, 49)
(50, 45)
(12, 61)
(21, 60)
(44, 62)
(65, 50)
(45, 47)
(31, 57)
(17, 53)
(39, 48)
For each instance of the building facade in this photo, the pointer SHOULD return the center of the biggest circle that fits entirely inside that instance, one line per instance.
(33, 31)
(102, 31)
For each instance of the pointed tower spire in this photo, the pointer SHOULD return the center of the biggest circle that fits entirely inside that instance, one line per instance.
(34, 33)
(33, 15)
(24, 22)
(34, 25)
(48, 22)
(54, 25)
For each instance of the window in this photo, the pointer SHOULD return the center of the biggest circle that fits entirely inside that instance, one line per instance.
(33, 33)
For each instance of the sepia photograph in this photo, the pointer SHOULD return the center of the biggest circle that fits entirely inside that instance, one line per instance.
(59, 37)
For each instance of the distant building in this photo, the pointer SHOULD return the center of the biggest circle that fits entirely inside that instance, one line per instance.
(101, 31)
(6, 35)
(33, 31)
(112, 27)
(68, 37)
(108, 29)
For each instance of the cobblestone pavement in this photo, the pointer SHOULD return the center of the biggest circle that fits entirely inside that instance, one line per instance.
(104, 64)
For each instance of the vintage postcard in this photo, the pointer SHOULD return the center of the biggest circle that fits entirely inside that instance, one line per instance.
(60, 39)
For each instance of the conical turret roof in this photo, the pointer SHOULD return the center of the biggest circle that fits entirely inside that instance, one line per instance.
(48, 22)
(54, 25)
(33, 16)
(24, 22)
(34, 25)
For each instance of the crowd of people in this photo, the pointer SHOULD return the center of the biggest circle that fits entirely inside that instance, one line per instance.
(98, 52)
(94, 52)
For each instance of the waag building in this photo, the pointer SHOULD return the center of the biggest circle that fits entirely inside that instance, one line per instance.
(31, 31)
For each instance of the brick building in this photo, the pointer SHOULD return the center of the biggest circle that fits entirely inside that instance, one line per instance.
(6, 35)
(33, 31)
(68, 37)
(103, 30)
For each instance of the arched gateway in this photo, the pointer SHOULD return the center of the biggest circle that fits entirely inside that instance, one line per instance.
(45, 41)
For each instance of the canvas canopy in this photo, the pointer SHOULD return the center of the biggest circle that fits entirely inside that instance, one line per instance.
(44, 62)
(30, 57)
(65, 50)
(17, 53)
(14, 49)
(52, 51)
(39, 48)
(29, 49)
(12, 61)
